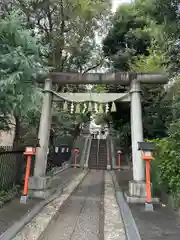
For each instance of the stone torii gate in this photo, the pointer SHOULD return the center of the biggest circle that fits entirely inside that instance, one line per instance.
(133, 80)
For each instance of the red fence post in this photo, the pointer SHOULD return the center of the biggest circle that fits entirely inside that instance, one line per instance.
(148, 181)
(28, 169)
(147, 156)
(30, 151)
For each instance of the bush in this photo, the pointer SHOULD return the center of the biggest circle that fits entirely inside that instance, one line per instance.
(8, 195)
(166, 167)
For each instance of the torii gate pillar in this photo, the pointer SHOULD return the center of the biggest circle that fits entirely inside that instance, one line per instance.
(44, 131)
(136, 131)
(137, 187)
(39, 184)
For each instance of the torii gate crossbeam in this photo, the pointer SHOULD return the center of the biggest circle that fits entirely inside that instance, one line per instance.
(118, 78)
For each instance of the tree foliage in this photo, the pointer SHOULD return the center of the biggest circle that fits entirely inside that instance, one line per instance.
(128, 37)
(68, 27)
(57, 34)
(21, 63)
(161, 104)
(139, 40)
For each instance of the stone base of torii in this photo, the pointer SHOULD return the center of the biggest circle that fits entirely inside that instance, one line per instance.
(136, 187)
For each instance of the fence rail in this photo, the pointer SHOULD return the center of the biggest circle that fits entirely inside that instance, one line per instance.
(13, 164)
(11, 167)
(58, 155)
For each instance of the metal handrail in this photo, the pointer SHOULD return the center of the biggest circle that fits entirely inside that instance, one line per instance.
(97, 160)
(83, 160)
(109, 163)
(88, 151)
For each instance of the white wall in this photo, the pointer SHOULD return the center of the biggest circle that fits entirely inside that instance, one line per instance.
(7, 137)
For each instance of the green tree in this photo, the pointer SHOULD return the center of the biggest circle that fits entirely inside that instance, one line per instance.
(136, 25)
(69, 27)
(163, 12)
(153, 49)
(156, 106)
(128, 37)
(21, 63)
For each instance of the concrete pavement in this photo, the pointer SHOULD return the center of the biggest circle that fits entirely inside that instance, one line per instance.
(90, 213)
(162, 224)
(13, 212)
(86, 210)
(81, 217)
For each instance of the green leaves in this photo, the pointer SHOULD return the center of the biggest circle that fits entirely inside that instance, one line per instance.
(139, 24)
(68, 27)
(20, 56)
(154, 62)
(20, 65)
(166, 166)
(128, 37)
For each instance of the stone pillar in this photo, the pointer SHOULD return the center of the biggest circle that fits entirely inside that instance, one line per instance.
(136, 132)
(137, 187)
(40, 185)
(44, 131)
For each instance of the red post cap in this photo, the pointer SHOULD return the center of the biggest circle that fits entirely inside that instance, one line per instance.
(147, 155)
(30, 151)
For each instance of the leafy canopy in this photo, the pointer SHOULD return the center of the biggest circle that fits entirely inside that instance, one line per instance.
(21, 63)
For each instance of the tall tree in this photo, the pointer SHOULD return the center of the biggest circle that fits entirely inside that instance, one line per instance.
(163, 12)
(127, 38)
(156, 107)
(21, 63)
(69, 27)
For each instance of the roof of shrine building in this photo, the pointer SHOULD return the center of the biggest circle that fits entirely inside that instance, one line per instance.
(121, 78)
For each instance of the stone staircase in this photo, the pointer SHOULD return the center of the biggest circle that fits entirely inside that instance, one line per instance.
(93, 154)
(98, 159)
(102, 163)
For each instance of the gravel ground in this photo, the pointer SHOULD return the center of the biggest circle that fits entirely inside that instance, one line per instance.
(113, 224)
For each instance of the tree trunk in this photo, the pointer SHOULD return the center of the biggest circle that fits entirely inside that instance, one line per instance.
(77, 130)
(16, 141)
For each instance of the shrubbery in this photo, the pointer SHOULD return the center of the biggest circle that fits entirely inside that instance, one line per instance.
(166, 165)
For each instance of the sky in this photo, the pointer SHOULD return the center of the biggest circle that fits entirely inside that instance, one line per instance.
(116, 3)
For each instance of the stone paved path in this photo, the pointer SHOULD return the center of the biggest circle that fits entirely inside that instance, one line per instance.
(81, 216)
(14, 211)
